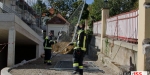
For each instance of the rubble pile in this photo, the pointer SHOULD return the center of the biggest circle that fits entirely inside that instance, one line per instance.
(60, 48)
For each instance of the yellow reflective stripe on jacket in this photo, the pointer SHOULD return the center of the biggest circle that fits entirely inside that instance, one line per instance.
(76, 47)
(74, 43)
(45, 44)
(78, 43)
(47, 48)
(46, 41)
(79, 33)
(84, 48)
(80, 67)
(46, 37)
(75, 64)
(48, 61)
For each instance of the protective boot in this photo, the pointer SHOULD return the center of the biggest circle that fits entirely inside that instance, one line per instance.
(80, 71)
(74, 72)
(49, 63)
(45, 61)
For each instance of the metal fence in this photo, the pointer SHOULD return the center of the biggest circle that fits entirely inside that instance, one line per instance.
(24, 15)
(123, 26)
(97, 28)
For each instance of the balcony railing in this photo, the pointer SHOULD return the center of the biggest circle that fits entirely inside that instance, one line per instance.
(28, 18)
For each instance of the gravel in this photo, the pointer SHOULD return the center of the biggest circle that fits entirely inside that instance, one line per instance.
(37, 67)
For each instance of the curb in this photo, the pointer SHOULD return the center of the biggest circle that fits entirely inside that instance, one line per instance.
(5, 71)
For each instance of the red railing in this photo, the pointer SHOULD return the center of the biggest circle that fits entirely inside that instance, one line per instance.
(123, 26)
(97, 28)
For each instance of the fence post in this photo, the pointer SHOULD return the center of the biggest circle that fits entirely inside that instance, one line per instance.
(105, 15)
(143, 32)
(117, 28)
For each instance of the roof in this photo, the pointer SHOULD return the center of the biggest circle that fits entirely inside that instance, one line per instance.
(58, 19)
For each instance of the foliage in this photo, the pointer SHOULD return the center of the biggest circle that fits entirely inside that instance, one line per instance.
(82, 21)
(39, 7)
(95, 9)
(89, 31)
(136, 5)
(85, 12)
(65, 7)
(115, 7)
(121, 6)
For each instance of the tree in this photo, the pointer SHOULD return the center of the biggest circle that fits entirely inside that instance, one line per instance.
(95, 9)
(121, 6)
(85, 12)
(65, 7)
(115, 6)
(136, 5)
(39, 7)
(94, 12)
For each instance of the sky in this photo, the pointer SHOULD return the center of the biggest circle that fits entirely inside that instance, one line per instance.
(33, 1)
(89, 1)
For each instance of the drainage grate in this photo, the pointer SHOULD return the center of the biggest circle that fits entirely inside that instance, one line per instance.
(64, 65)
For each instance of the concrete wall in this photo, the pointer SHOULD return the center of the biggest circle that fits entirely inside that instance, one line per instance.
(118, 56)
(31, 42)
(57, 28)
(24, 29)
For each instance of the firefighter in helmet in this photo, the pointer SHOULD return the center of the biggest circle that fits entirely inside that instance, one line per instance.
(79, 50)
(48, 42)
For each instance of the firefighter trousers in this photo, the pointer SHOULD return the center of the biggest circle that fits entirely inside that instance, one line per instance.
(78, 56)
(47, 58)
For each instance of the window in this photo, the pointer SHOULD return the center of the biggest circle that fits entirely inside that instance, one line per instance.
(52, 31)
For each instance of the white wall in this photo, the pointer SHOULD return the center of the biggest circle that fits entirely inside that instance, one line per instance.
(57, 28)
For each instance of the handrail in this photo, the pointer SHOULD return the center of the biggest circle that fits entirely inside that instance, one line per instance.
(23, 17)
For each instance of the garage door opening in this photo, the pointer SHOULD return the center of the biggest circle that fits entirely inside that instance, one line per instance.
(24, 52)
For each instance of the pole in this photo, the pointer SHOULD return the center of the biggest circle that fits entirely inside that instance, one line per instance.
(78, 22)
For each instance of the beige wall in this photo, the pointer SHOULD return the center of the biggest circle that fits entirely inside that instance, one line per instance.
(120, 52)
(117, 54)
(143, 32)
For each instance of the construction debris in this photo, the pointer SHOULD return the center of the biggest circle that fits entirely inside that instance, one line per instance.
(58, 48)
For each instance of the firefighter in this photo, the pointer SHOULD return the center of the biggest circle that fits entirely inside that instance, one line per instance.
(48, 42)
(79, 50)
